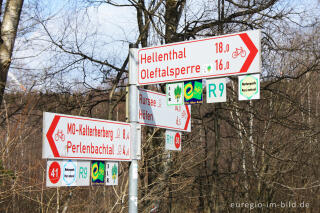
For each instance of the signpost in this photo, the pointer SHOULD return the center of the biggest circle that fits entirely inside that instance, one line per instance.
(154, 111)
(74, 137)
(233, 54)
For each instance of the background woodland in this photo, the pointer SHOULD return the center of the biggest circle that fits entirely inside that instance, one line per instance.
(258, 151)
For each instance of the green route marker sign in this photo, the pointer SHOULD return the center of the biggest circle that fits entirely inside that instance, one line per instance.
(175, 94)
(249, 87)
(216, 90)
(112, 171)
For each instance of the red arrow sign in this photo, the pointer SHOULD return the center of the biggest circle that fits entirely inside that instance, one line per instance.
(188, 118)
(74, 137)
(50, 135)
(253, 52)
(225, 55)
(154, 111)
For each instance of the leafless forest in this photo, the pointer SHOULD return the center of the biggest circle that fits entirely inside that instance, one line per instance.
(62, 59)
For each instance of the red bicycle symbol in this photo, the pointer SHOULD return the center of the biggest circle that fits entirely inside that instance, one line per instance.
(239, 51)
(59, 135)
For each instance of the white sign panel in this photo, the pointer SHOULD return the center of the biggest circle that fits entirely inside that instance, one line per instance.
(249, 87)
(175, 94)
(112, 171)
(173, 140)
(74, 137)
(83, 173)
(216, 90)
(67, 173)
(153, 111)
(225, 55)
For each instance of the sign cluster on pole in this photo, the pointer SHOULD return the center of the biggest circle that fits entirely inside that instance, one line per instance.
(77, 148)
(72, 142)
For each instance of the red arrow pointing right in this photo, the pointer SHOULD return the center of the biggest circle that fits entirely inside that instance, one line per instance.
(49, 135)
(253, 51)
(188, 118)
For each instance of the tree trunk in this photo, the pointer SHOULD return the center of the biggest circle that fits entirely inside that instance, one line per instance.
(9, 28)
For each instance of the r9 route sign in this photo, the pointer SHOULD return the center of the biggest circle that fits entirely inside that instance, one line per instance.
(226, 55)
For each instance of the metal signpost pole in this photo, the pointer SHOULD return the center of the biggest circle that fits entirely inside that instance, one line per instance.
(133, 119)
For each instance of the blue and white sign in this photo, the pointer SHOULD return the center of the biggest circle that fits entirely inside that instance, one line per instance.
(69, 173)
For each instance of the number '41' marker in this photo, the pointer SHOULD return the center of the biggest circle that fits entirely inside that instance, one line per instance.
(216, 90)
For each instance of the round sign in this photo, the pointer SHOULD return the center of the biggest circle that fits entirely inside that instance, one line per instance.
(69, 172)
(54, 172)
(177, 140)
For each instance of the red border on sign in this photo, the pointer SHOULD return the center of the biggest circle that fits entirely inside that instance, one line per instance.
(245, 38)
(53, 146)
(84, 158)
(167, 127)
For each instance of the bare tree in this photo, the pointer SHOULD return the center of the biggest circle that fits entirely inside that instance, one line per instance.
(9, 26)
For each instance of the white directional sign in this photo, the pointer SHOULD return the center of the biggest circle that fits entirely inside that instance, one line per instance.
(74, 137)
(153, 111)
(216, 90)
(173, 140)
(67, 173)
(225, 55)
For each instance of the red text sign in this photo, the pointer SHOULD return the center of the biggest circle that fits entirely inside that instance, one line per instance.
(204, 58)
(154, 111)
(74, 137)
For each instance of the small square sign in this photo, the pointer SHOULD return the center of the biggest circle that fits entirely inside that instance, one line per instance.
(175, 94)
(112, 171)
(83, 173)
(193, 92)
(249, 87)
(98, 172)
(173, 140)
(216, 90)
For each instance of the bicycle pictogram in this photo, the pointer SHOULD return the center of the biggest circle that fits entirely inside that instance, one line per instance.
(59, 135)
(239, 51)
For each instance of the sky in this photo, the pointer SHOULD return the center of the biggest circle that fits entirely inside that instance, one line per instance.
(107, 30)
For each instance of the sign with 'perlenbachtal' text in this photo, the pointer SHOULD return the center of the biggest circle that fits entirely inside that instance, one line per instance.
(224, 55)
(74, 137)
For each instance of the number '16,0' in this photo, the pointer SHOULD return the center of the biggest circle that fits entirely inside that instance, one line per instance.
(213, 87)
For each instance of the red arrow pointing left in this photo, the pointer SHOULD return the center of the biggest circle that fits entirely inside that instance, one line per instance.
(49, 135)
